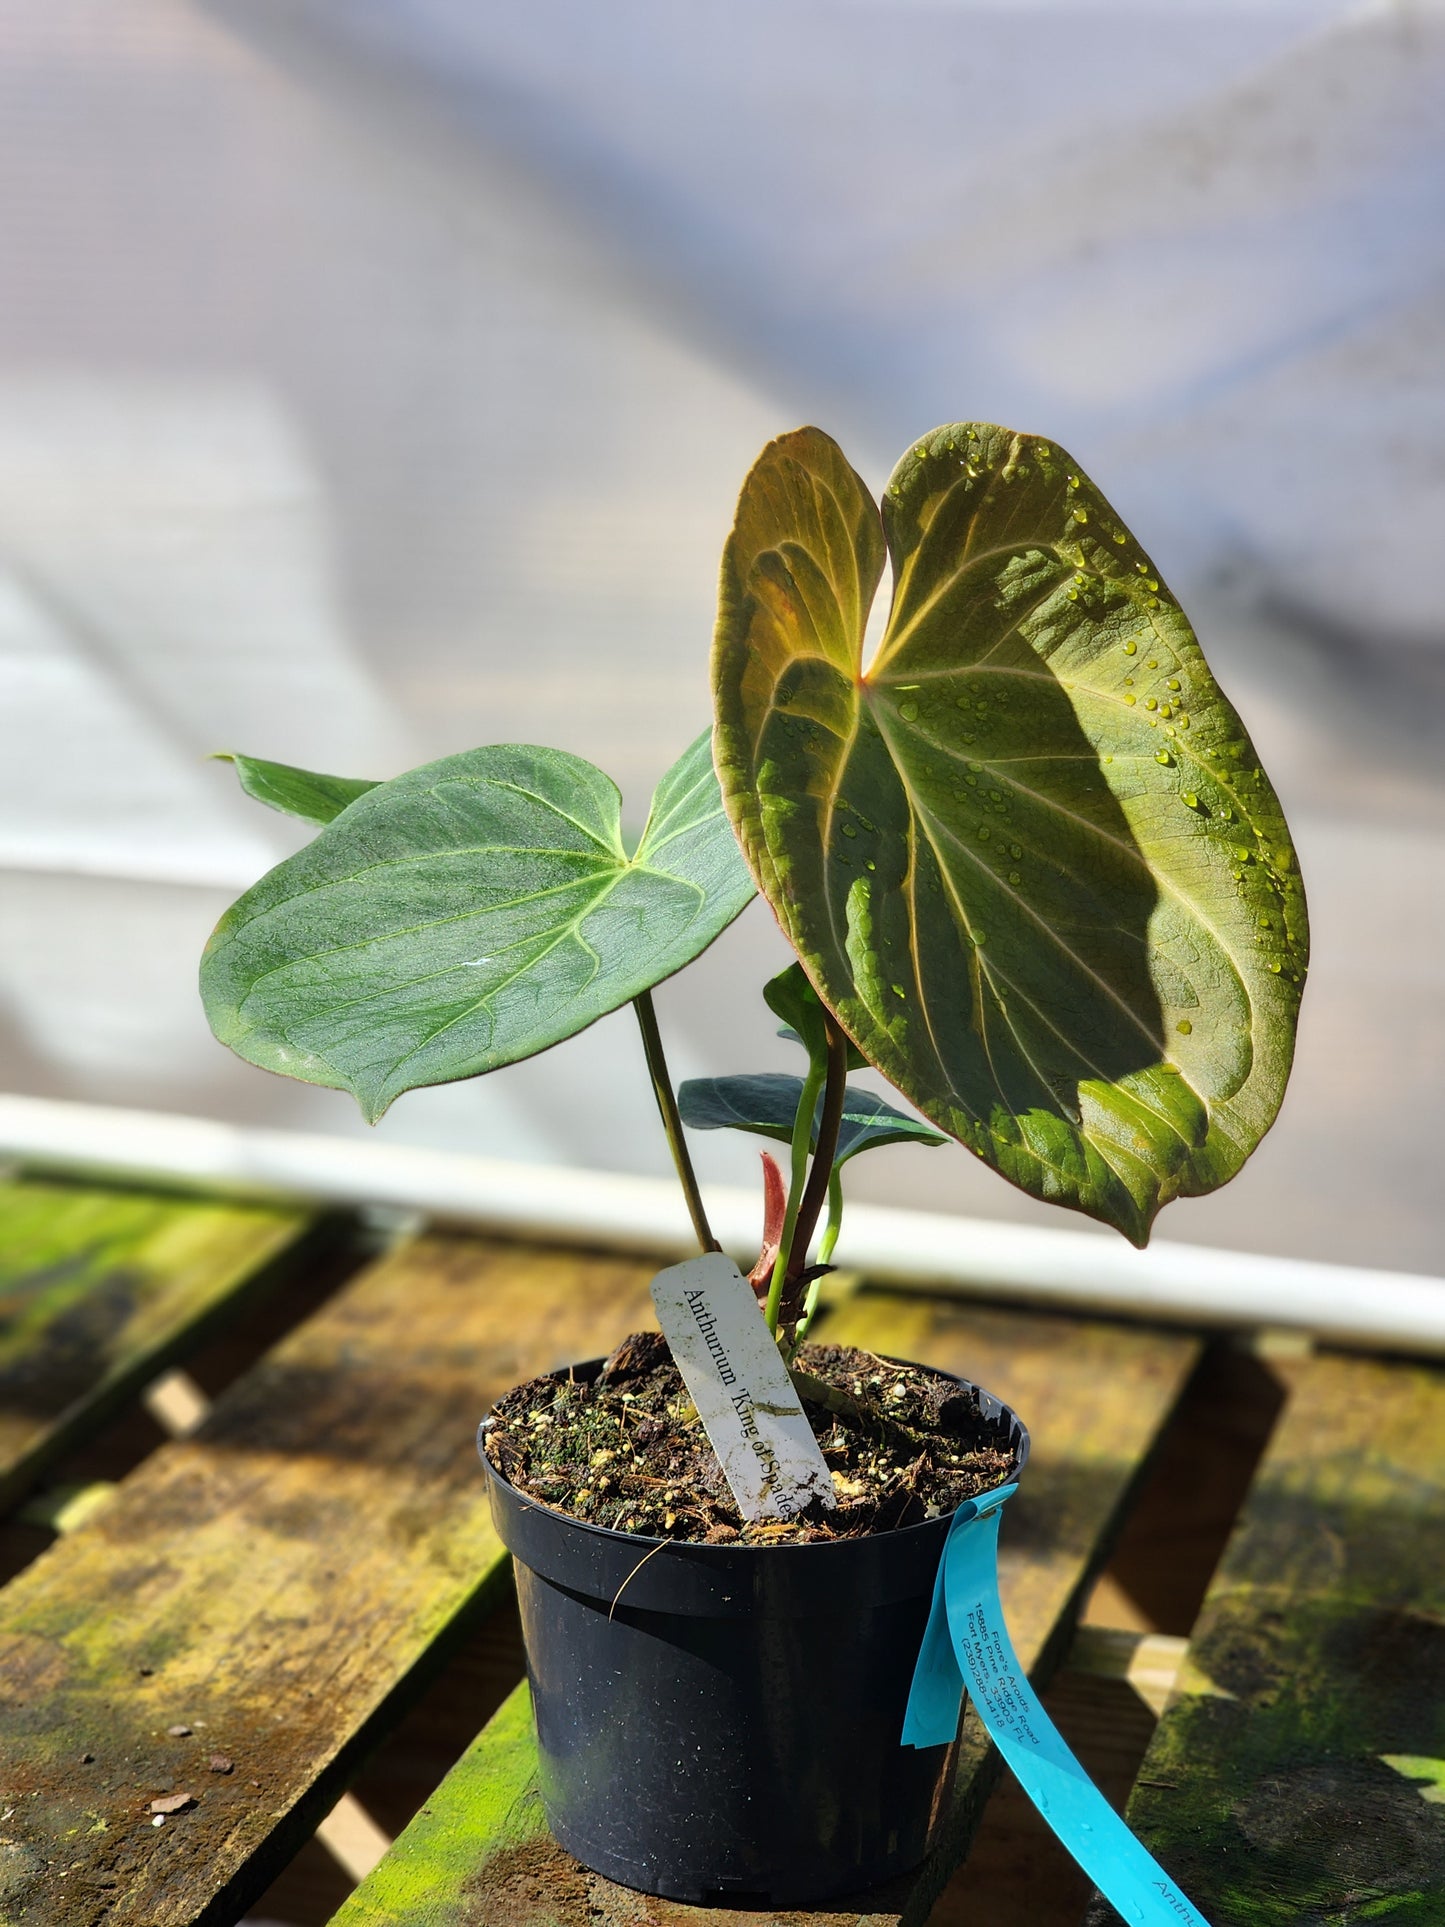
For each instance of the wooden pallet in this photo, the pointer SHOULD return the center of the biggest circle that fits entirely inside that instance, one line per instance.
(1298, 1774)
(284, 1582)
(100, 1290)
(275, 1583)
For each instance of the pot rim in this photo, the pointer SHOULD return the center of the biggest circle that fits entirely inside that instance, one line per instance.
(733, 1548)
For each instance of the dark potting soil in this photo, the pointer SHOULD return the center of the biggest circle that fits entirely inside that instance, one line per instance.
(627, 1450)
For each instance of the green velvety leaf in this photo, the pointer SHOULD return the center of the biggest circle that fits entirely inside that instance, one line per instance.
(790, 996)
(766, 1104)
(468, 914)
(1029, 856)
(296, 792)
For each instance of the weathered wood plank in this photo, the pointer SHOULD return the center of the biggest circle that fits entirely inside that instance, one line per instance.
(1298, 1775)
(99, 1291)
(1094, 1396)
(276, 1583)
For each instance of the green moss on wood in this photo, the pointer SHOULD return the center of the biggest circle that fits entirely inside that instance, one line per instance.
(487, 1804)
(278, 1582)
(1297, 1778)
(99, 1290)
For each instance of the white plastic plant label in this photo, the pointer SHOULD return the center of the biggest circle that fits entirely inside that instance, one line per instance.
(736, 1378)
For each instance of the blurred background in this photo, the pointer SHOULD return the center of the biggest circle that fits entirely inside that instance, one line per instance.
(377, 377)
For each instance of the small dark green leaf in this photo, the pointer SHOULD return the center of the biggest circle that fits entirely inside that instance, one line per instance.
(466, 915)
(766, 1104)
(1028, 856)
(296, 792)
(790, 996)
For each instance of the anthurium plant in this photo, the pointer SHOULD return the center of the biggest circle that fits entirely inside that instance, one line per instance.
(1027, 857)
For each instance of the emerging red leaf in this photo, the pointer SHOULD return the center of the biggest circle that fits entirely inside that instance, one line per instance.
(775, 1205)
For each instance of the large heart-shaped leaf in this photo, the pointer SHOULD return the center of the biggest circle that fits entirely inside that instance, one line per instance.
(468, 914)
(1028, 856)
(766, 1103)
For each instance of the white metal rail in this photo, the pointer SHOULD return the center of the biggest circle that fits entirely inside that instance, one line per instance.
(1186, 1284)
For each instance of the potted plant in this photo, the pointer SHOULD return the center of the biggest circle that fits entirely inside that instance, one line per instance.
(1032, 872)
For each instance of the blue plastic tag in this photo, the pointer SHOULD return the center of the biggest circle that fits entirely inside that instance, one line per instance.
(966, 1644)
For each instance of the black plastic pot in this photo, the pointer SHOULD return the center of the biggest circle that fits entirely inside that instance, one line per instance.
(727, 1732)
